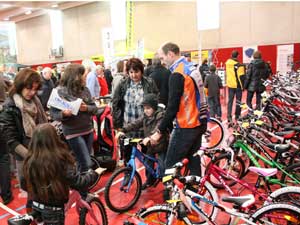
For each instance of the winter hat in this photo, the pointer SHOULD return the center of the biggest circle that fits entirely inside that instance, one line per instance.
(151, 100)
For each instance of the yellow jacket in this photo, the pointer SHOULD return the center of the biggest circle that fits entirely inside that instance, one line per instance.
(234, 72)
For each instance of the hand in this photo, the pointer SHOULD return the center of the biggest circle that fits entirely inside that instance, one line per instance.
(100, 170)
(119, 134)
(146, 141)
(67, 112)
(154, 138)
(83, 107)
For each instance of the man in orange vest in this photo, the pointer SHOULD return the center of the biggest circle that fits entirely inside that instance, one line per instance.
(187, 108)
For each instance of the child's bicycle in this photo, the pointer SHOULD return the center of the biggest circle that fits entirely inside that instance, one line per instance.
(90, 211)
(123, 188)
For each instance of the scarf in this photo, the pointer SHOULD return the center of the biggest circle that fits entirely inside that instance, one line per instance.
(32, 113)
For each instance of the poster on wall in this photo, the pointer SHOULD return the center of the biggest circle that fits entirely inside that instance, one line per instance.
(285, 56)
(205, 54)
(248, 53)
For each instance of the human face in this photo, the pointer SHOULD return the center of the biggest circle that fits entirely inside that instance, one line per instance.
(148, 110)
(166, 58)
(135, 76)
(47, 75)
(28, 93)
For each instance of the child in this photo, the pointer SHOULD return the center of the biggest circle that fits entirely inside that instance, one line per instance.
(213, 83)
(50, 172)
(152, 118)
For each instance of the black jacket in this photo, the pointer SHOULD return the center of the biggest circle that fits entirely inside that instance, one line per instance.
(161, 77)
(257, 72)
(118, 104)
(3, 142)
(11, 118)
(149, 125)
(45, 92)
(74, 179)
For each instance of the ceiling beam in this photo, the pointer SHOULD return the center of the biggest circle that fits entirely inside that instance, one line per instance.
(26, 17)
(11, 13)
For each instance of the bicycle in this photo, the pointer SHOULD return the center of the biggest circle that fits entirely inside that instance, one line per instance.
(184, 208)
(214, 135)
(91, 211)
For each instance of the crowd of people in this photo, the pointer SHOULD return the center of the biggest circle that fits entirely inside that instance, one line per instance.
(173, 132)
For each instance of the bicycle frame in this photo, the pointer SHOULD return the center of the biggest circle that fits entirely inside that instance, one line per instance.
(217, 172)
(251, 153)
(135, 153)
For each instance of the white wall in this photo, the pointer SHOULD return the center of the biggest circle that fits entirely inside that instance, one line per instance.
(241, 23)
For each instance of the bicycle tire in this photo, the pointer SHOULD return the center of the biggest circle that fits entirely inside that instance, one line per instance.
(238, 169)
(270, 213)
(295, 171)
(216, 128)
(95, 165)
(86, 218)
(115, 202)
(290, 195)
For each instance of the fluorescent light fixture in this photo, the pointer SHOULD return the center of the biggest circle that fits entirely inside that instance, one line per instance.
(118, 19)
(54, 6)
(28, 12)
(6, 19)
(208, 14)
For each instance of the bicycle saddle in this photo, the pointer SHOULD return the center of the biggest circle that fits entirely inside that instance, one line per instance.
(279, 147)
(20, 220)
(241, 201)
(286, 134)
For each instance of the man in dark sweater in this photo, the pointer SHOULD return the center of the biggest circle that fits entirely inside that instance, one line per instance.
(161, 75)
(213, 83)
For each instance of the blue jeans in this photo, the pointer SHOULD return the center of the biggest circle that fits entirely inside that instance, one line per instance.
(184, 142)
(214, 106)
(237, 92)
(82, 146)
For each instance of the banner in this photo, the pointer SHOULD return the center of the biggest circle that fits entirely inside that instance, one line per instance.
(140, 49)
(195, 56)
(129, 25)
(285, 56)
(108, 44)
(56, 101)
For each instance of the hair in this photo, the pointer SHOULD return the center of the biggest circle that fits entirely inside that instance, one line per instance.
(25, 78)
(46, 164)
(134, 64)
(212, 68)
(120, 66)
(234, 54)
(170, 47)
(204, 61)
(156, 62)
(72, 79)
(257, 55)
(98, 67)
(46, 70)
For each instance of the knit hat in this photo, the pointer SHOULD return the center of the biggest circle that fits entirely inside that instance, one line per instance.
(151, 100)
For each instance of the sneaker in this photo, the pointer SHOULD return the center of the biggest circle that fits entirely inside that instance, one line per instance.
(145, 186)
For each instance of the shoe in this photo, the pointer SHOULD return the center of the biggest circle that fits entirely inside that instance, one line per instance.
(7, 200)
(145, 186)
(148, 183)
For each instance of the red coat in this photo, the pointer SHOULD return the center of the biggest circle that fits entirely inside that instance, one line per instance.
(103, 86)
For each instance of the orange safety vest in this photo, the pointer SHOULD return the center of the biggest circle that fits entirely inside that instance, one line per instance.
(188, 114)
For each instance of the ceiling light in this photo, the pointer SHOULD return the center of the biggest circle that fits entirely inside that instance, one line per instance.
(28, 12)
(54, 6)
(6, 19)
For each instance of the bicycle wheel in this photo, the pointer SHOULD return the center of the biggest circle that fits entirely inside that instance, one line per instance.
(279, 214)
(159, 215)
(95, 165)
(214, 134)
(289, 195)
(96, 216)
(293, 170)
(223, 162)
(121, 193)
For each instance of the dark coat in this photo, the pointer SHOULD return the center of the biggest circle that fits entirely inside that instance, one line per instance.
(161, 77)
(118, 104)
(11, 118)
(45, 92)
(3, 142)
(150, 125)
(204, 71)
(257, 72)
